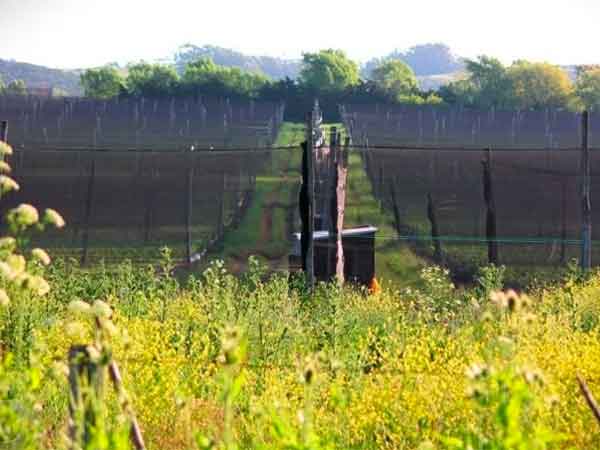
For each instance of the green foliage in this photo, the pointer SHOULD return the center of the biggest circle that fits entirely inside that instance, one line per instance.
(523, 85)
(20, 425)
(152, 80)
(489, 279)
(16, 87)
(102, 83)
(395, 79)
(587, 88)
(328, 71)
(515, 423)
(491, 82)
(539, 85)
(204, 75)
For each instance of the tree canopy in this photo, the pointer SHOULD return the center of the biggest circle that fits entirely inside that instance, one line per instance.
(204, 75)
(16, 87)
(524, 85)
(328, 71)
(587, 88)
(539, 85)
(395, 79)
(102, 83)
(152, 80)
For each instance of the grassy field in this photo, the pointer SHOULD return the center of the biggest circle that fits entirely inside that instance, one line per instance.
(265, 230)
(228, 362)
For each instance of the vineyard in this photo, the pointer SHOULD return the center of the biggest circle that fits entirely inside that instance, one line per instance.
(425, 167)
(132, 176)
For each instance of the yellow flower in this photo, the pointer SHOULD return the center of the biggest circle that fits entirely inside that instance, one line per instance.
(4, 167)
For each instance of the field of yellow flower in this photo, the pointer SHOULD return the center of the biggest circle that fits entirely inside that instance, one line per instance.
(225, 362)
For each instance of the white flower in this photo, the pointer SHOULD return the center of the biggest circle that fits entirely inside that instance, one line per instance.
(54, 218)
(79, 307)
(4, 167)
(6, 271)
(8, 243)
(40, 285)
(41, 256)
(7, 184)
(4, 299)
(5, 149)
(102, 309)
(17, 263)
(24, 214)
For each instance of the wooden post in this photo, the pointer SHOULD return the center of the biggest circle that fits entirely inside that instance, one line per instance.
(222, 209)
(341, 174)
(586, 205)
(395, 206)
(88, 211)
(563, 214)
(149, 200)
(188, 208)
(488, 196)
(435, 233)
(4, 131)
(306, 205)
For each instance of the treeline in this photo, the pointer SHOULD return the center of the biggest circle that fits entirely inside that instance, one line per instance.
(523, 85)
(19, 87)
(332, 77)
(328, 75)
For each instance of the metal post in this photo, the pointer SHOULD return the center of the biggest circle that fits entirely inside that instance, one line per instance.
(188, 209)
(88, 211)
(307, 204)
(488, 196)
(586, 206)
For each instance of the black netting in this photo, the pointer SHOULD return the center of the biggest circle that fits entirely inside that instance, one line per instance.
(535, 162)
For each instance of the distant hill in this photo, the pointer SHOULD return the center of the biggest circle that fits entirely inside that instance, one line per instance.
(275, 68)
(40, 77)
(425, 60)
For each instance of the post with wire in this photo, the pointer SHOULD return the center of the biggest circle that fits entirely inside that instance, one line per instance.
(586, 204)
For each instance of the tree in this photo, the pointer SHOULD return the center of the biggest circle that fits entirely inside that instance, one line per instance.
(205, 76)
(490, 81)
(539, 85)
(152, 80)
(102, 83)
(16, 87)
(395, 79)
(328, 71)
(587, 88)
(460, 92)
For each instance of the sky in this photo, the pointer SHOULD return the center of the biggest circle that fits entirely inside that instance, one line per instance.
(87, 33)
